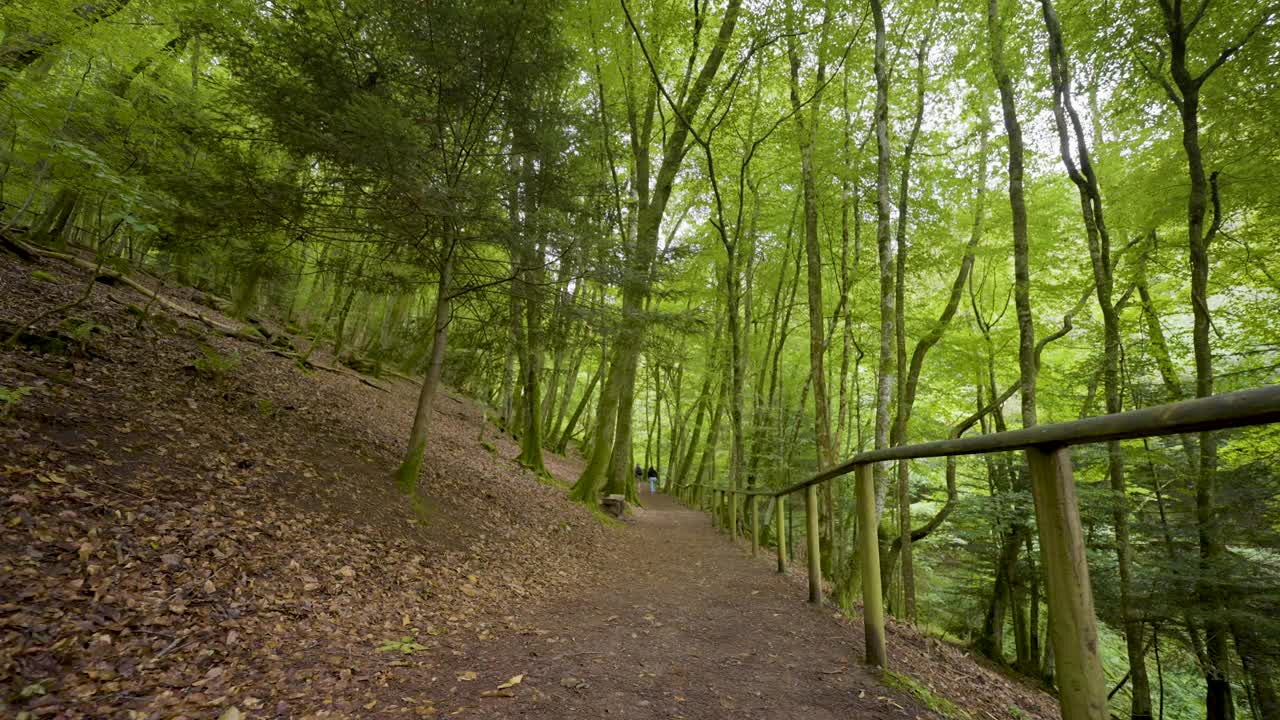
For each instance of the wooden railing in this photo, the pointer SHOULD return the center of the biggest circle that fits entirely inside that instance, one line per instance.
(1074, 628)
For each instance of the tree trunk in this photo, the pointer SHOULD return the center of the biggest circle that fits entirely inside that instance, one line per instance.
(531, 435)
(563, 443)
(927, 342)
(609, 464)
(707, 462)
(899, 431)
(813, 256)
(339, 334)
(885, 380)
(1080, 170)
(508, 365)
(411, 468)
(1258, 665)
(587, 489)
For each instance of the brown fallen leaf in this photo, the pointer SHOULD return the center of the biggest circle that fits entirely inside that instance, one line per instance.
(467, 676)
(497, 693)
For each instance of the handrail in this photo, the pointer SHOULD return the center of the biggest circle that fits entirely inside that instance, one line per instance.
(1067, 586)
(1257, 406)
(728, 488)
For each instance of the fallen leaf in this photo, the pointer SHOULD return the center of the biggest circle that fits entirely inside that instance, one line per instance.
(497, 693)
(512, 682)
(467, 676)
(231, 713)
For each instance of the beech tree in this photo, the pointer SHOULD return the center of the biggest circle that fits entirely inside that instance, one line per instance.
(641, 233)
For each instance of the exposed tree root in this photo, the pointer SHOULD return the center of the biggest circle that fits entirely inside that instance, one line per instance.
(307, 362)
(17, 248)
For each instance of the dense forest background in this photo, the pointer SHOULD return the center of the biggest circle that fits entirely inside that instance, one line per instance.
(738, 241)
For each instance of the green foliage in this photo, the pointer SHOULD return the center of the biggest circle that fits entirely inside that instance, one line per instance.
(11, 398)
(214, 366)
(406, 645)
(43, 276)
(921, 692)
(266, 408)
(321, 168)
(81, 331)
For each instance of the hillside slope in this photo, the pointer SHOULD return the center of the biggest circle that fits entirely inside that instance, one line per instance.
(193, 528)
(175, 541)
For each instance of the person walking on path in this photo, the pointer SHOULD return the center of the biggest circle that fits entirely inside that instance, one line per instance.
(653, 481)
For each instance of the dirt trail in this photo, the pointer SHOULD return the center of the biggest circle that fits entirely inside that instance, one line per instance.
(177, 543)
(682, 624)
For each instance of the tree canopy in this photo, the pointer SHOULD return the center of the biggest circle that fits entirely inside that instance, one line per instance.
(738, 241)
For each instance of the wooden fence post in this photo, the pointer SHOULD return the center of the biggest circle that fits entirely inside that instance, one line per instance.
(732, 507)
(811, 546)
(755, 525)
(1074, 629)
(780, 530)
(869, 549)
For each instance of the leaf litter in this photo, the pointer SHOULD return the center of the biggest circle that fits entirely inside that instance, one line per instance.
(171, 550)
(174, 548)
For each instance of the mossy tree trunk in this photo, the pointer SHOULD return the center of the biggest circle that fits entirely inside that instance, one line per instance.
(531, 364)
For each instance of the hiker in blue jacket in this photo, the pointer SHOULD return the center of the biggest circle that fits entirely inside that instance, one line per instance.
(653, 481)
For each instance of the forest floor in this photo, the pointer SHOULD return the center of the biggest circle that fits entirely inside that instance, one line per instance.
(193, 527)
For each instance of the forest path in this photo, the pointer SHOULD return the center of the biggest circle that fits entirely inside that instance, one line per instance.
(682, 624)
